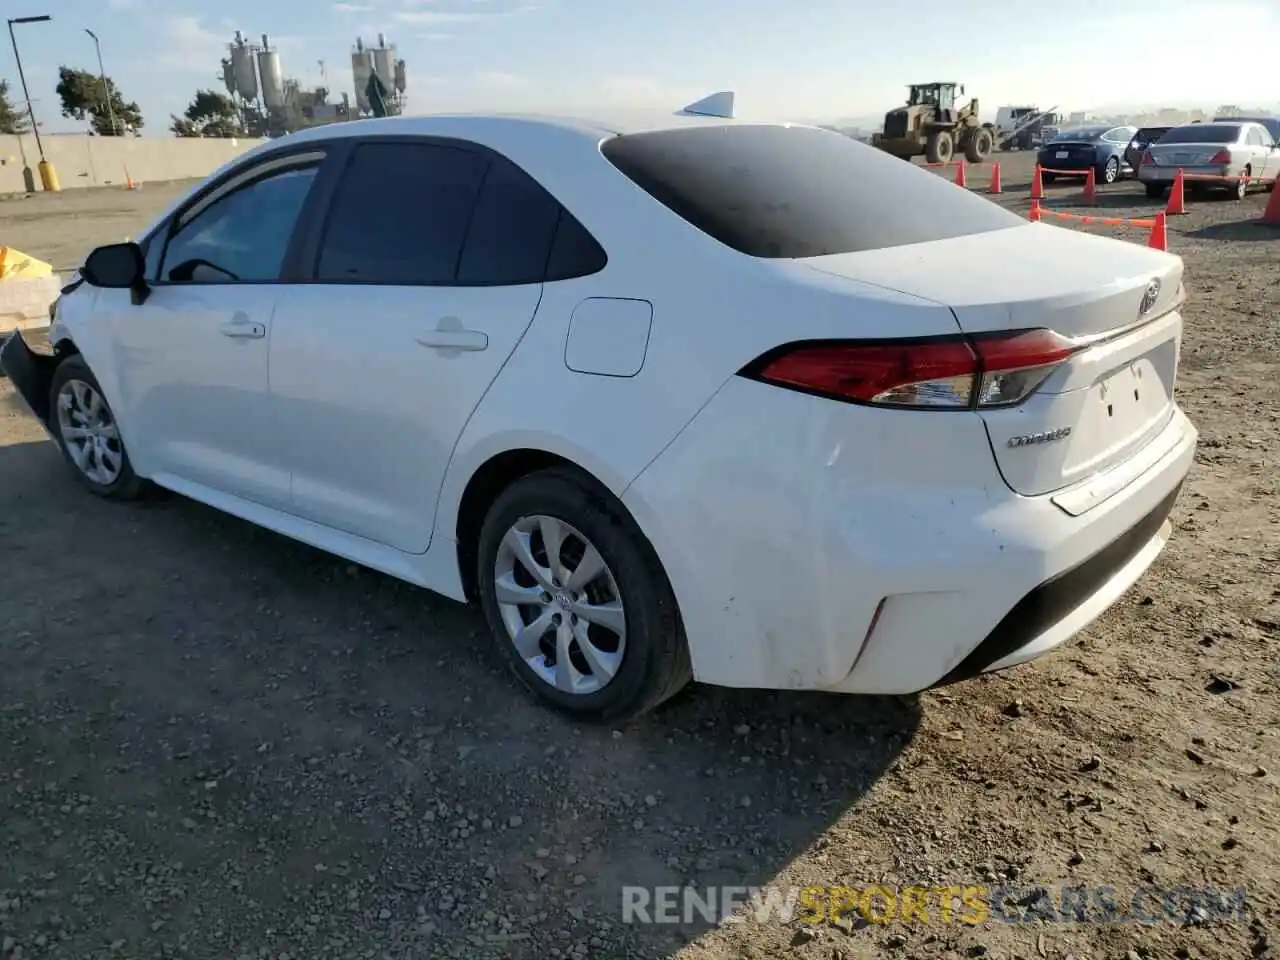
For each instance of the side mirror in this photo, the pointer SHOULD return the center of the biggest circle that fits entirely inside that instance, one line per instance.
(118, 266)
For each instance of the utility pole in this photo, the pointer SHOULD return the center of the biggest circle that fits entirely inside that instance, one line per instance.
(48, 176)
(106, 88)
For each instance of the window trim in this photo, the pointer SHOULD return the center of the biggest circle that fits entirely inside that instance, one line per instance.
(308, 262)
(316, 155)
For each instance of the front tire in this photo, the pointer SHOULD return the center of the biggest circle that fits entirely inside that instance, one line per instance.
(577, 601)
(939, 147)
(88, 434)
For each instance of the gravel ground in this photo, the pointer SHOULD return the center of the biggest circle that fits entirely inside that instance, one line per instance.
(218, 743)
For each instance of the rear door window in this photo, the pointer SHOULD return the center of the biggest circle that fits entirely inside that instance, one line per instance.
(400, 214)
(775, 191)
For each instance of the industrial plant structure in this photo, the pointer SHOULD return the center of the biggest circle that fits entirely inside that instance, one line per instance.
(271, 104)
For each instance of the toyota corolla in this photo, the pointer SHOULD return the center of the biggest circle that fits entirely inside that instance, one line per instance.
(681, 398)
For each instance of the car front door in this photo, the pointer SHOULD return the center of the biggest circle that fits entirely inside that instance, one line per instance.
(192, 358)
(427, 273)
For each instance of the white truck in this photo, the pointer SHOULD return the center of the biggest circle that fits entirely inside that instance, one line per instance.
(1022, 126)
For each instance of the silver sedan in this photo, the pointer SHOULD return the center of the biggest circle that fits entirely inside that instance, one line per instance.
(1235, 156)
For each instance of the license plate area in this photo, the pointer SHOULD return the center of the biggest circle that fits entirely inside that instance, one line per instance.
(1062, 154)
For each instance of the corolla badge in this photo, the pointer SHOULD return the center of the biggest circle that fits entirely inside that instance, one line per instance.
(1149, 298)
(1047, 436)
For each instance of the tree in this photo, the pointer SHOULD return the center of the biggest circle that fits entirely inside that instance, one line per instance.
(210, 114)
(13, 119)
(82, 96)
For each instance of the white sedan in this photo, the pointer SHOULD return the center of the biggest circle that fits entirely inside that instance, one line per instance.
(685, 398)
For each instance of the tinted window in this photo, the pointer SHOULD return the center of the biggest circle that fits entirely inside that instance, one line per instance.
(400, 214)
(776, 191)
(575, 252)
(511, 231)
(241, 236)
(1203, 133)
(1256, 137)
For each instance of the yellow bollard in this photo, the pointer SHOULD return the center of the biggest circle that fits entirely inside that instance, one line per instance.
(48, 176)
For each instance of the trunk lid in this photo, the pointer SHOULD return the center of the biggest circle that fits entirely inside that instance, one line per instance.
(1184, 154)
(1113, 395)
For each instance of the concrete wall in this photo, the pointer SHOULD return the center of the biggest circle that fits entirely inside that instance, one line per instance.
(82, 161)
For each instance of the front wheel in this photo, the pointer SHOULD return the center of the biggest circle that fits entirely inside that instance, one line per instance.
(577, 601)
(86, 429)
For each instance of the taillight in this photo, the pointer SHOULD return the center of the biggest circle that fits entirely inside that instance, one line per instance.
(1146, 158)
(935, 373)
(1222, 156)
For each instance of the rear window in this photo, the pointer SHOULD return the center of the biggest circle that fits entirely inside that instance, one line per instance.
(1081, 133)
(775, 191)
(1151, 134)
(1203, 133)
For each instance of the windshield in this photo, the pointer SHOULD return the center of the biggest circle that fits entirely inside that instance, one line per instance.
(1081, 133)
(775, 191)
(1203, 133)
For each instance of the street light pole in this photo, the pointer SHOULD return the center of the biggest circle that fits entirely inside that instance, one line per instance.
(106, 89)
(48, 177)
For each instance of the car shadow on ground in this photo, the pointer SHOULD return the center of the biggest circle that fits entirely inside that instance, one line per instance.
(214, 738)
(1239, 231)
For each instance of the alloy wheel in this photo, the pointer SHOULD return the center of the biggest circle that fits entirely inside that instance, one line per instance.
(560, 605)
(89, 432)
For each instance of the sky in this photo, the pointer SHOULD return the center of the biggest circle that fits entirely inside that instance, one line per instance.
(799, 59)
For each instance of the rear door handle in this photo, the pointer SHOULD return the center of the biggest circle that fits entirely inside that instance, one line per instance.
(242, 327)
(455, 340)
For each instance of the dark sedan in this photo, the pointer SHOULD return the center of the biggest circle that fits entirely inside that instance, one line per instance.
(1144, 138)
(1074, 151)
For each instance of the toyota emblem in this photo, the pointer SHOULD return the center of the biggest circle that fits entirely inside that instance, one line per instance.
(1149, 298)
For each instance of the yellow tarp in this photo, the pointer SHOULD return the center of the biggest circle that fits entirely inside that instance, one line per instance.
(15, 265)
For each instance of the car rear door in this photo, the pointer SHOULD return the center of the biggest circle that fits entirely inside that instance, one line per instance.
(426, 273)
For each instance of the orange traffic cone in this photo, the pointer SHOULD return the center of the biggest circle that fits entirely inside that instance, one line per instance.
(1090, 195)
(1159, 238)
(1271, 215)
(1034, 215)
(995, 179)
(1037, 185)
(1177, 196)
(960, 177)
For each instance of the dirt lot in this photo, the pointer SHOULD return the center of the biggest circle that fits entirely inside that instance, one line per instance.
(218, 743)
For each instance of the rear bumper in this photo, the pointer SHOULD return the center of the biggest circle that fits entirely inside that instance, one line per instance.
(817, 545)
(30, 373)
(1081, 165)
(1153, 174)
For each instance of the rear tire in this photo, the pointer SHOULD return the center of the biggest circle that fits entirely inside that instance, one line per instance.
(940, 147)
(1241, 189)
(1048, 178)
(1156, 191)
(623, 652)
(1110, 171)
(88, 434)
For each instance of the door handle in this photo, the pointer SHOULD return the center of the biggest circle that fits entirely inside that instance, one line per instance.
(455, 340)
(242, 327)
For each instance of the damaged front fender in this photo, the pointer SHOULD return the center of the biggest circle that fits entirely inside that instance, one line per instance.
(30, 373)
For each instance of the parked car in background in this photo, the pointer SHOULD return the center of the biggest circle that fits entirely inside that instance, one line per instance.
(1098, 147)
(1141, 140)
(1243, 153)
